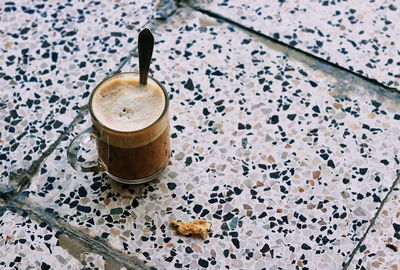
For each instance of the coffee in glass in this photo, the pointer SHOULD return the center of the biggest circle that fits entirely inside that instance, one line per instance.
(131, 129)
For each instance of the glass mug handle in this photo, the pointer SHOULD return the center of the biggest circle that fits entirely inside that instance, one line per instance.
(75, 149)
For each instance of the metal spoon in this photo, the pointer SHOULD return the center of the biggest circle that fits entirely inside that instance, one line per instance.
(145, 48)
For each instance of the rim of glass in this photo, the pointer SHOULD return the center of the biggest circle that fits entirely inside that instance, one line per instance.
(135, 131)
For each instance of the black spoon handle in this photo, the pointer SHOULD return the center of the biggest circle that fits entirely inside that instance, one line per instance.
(145, 48)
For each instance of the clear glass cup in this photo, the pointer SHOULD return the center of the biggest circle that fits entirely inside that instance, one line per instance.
(131, 157)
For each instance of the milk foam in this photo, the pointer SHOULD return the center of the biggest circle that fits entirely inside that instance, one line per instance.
(123, 104)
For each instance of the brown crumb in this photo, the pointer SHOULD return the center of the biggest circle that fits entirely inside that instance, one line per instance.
(199, 227)
(392, 247)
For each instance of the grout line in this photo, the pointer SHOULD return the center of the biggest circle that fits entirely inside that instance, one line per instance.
(257, 33)
(24, 178)
(97, 246)
(371, 223)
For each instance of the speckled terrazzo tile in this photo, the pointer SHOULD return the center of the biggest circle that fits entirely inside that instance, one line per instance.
(380, 249)
(29, 125)
(54, 53)
(288, 163)
(358, 35)
(27, 244)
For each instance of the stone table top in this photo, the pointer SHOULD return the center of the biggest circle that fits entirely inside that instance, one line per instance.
(285, 135)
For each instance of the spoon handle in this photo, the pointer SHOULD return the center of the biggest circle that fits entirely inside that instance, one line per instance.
(145, 48)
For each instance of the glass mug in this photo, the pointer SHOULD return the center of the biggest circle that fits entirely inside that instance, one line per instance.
(130, 157)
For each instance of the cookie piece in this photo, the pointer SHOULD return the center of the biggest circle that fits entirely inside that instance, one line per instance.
(198, 227)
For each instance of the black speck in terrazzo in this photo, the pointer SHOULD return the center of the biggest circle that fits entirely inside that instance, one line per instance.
(171, 186)
(228, 216)
(275, 175)
(237, 190)
(363, 171)
(197, 208)
(305, 246)
(95, 186)
(384, 161)
(203, 263)
(82, 192)
(44, 266)
(179, 128)
(84, 209)
(274, 119)
(331, 164)
(53, 98)
(236, 242)
(206, 112)
(73, 204)
(376, 198)
(188, 161)
(189, 85)
(313, 84)
(396, 228)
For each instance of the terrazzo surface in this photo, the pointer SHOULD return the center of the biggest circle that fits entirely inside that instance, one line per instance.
(52, 53)
(380, 250)
(293, 161)
(27, 244)
(359, 35)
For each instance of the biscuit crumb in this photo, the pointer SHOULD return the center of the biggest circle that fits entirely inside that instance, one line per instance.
(200, 227)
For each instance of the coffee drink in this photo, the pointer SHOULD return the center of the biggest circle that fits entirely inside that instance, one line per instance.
(124, 104)
(132, 126)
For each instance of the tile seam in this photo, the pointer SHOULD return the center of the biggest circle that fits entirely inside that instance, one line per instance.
(92, 244)
(22, 179)
(371, 223)
(312, 56)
